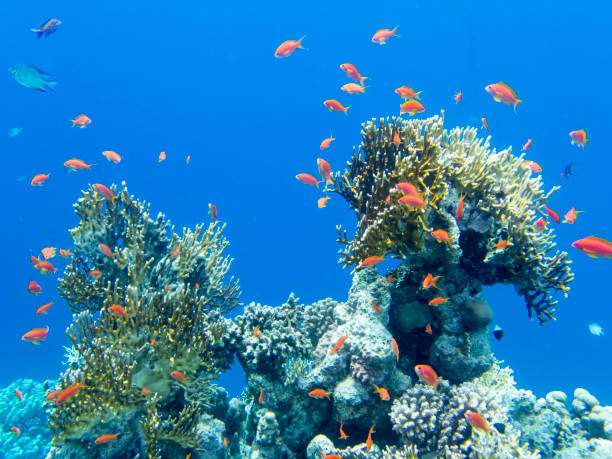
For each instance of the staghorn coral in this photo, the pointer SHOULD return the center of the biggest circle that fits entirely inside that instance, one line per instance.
(173, 291)
(501, 200)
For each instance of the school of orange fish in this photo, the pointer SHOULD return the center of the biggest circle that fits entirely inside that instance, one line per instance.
(405, 193)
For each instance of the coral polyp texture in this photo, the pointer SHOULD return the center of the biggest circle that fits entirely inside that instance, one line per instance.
(502, 198)
(147, 334)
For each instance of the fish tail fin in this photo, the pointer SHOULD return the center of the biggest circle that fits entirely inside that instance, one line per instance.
(299, 43)
(39, 32)
(516, 102)
(361, 80)
(394, 29)
(346, 110)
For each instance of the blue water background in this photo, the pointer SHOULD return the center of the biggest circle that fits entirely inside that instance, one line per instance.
(199, 78)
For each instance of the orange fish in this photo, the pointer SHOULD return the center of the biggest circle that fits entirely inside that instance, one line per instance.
(594, 246)
(212, 211)
(44, 308)
(353, 88)
(146, 391)
(476, 421)
(396, 139)
(338, 344)
(326, 143)
(188, 456)
(579, 137)
(407, 93)
(34, 259)
(104, 191)
(48, 252)
(376, 307)
(441, 236)
(224, 442)
(325, 170)
(428, 329)
(117, 310)
(178, 375)
(570, 216)
(256, 332)
(45, 267)
(369, 439)
(342, 434)
(430, 281)
(167, 287)
(319, 394)
(407, 188)
(382, 35)
(459, 211)
(287, 47)
(412, 200)
(383, 393)
(19, 395)
(501, 245)
(65, 253)
(322, 202)
(81, 121)
(52, 395)
(112, 156)
(437, 301)
(260, 399)
(308, 179)
(427, 375)
(69, 392)
(540, 224)
(16, 430)
(527, 145)
(352, 72)
(161, 157)
(485, 124)
(553, 215)
(411, 107)
(395, 349)
(175, 252)
(502, 92)
(106, 438)
(535, 167)
(39, 179)
(334, 106)
(106, 250)
(34, 288)
(77, 165)
(188, 160)
(458, 97)
(329, 456)
(371, 261)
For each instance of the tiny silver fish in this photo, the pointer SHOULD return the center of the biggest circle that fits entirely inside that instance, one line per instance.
(32, 77)
(596, 329)
(14, 132)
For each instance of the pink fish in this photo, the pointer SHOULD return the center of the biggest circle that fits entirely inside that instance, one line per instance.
(382, 35)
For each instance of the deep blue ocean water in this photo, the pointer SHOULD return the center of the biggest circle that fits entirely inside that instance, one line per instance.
(199, 78)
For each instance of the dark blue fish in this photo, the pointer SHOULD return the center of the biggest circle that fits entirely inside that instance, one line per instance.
(568, 171)
(32, 77)
(498, 332)
(47, 27)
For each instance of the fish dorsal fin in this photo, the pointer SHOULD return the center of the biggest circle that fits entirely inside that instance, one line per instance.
(601, 240)
(508, 87)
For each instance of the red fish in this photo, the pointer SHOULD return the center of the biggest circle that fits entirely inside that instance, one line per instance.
(212, 211)
(535, 167)
(65, 253)
(376, 307)
(326, 143)
(396, 139)
(412, 200)
(95, 273)
(19, 395)
(287, 47)
(395, 349)
(527, 145)
(441, 236)
(371, 261)
(553, 215)
(352, 72)
(334, 106)
(260, 399)
(485, 124)
(45, 267)
(117, 310)
(48, 252)
(594, 246)
(104, 191)
(430, 281)
(325, 170)
(36, 335)
(69, 392)
(426, 375)
(412, 107)
(477, 421)
(175, 252)
(437, 301)
(106, 438)
(81, 121)
(106, 250)
(16, 430)
(501, 245)
(178, 375)
(34, 288)
(319, 394)
(161, 157)
(256, 332)
(52, 395)
(338, 344)
(308, 179)
(369, 439)
(382, 35)
(407, 93)
(34, 259)
(502, 92)
(540, 225)
(428, 329)
(146, 391)
(112, 156)
(570, 216)
(342, 434)
(44, 308)
(459, 211)
(353, 88)
(407, 188)
(77, 165)
(322, 202)
(458, 97)
(329, 456)
(382, 393)
(579, 137)
(39, 179)
(224, 442)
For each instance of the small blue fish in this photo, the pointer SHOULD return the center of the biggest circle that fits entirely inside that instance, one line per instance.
(32, 77)
(14, 132)
(47, 27)
(596, 329)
